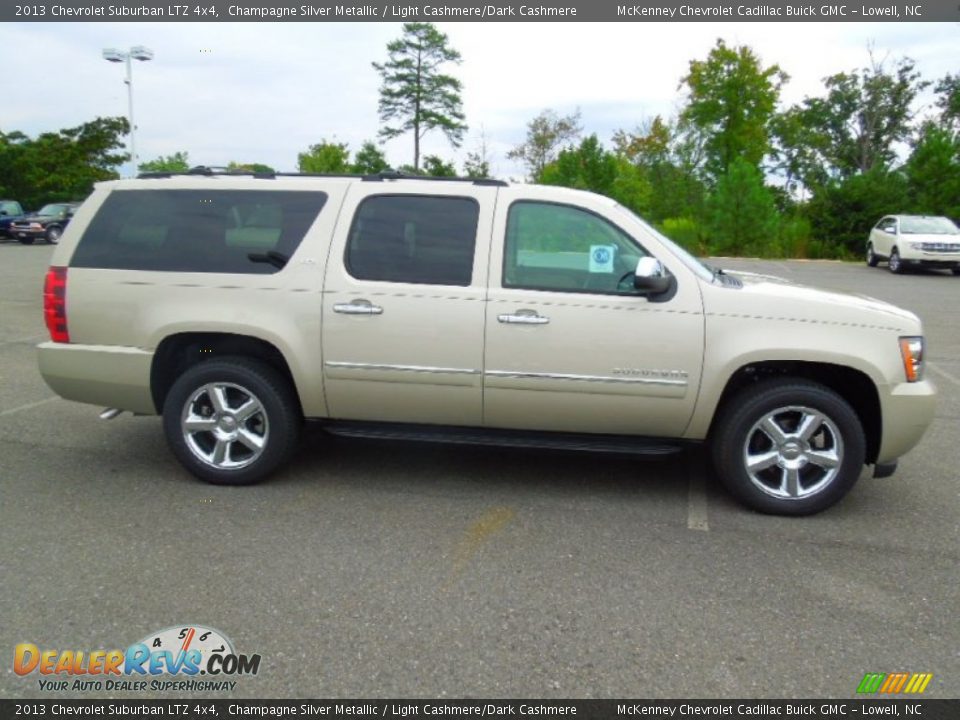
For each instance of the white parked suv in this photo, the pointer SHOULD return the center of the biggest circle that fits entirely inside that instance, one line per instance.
(915, 241)
(469, 312)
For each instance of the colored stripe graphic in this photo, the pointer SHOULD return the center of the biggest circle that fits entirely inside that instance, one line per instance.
(871, 683)
(894, 683)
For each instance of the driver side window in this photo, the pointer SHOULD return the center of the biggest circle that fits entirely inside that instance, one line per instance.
(566, 249)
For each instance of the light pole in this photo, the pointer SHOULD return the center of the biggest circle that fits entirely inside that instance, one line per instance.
(138, 52)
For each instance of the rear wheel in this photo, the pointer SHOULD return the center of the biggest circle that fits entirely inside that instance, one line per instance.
(789, 447)
(872, 258)
(232, 421)
(895, 263)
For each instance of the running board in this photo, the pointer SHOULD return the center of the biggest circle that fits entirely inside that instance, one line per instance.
(504, 438)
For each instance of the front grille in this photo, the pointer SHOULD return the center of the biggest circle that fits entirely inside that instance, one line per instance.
(940, 247)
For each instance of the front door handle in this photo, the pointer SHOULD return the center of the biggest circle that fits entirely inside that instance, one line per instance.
(524, 317)
(358, 307)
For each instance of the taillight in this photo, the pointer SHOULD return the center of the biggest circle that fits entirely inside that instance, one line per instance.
(55, 304)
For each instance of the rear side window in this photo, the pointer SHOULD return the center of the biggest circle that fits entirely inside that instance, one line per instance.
(196, 231)
(414, 239)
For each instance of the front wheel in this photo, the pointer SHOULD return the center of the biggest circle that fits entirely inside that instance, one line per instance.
(789, 447)
(872, 258)
(232, 421)
(53, 235)
(895, 263)
(955, 270)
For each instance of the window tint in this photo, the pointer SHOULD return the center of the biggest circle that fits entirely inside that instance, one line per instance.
(414, 239)
(196, 231)
(11, 208)
(559, 247)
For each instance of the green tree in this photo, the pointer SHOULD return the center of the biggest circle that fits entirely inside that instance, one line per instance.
(249, 167)
(176, 163)
(948, 100)
(842, 211)
(742, 217)
(477, 164)
(546, 134)
(415, 96)
(63, 165)
(435, 166)
(586, 167)
(855, 127)
(732, 98)
(933, 172)
(590, 167)
(325, 157)
(668, 157)
(369, 160)
(794, 154)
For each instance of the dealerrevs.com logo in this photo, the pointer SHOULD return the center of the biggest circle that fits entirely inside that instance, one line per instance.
(172, 659)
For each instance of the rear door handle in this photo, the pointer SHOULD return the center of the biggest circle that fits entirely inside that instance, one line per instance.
(358, 307)
(523, 317)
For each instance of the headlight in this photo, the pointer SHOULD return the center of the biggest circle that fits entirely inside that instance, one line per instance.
(915, 245)
(911, 350)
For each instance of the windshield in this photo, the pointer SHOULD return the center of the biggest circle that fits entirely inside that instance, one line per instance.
(928, 226)
(52, 210)
(685, 257)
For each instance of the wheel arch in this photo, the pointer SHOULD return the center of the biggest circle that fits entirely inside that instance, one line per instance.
(851, 384)
(177, 353)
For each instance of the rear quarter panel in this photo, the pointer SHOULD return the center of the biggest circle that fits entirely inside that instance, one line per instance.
(139, 309)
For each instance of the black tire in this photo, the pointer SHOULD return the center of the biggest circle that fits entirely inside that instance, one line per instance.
(955, 270)
(872, 258)
(895, 263)
(26, 241)
(53, 235)
(737, 432)
(277, 423)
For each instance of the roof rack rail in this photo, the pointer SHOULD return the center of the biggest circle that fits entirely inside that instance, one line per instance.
(209, 171)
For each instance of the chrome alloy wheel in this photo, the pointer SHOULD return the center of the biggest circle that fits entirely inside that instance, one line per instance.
(793, 452)
(224, 425)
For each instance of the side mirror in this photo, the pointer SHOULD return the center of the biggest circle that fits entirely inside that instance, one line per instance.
(651, 277)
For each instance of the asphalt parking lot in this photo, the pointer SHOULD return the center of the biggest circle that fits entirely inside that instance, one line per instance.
(372, 569)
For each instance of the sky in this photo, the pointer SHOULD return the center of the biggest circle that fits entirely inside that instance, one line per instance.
(263, 92)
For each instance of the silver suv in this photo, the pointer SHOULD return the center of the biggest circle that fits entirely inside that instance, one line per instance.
(471, 312)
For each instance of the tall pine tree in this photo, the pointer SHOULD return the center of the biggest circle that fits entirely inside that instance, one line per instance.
(414, 94)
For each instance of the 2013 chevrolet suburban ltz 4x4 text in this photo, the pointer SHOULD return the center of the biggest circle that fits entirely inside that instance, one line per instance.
(465, 311)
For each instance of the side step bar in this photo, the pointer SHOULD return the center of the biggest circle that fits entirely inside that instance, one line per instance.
(503, 438)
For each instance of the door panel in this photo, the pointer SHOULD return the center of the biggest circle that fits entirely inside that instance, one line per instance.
(402, 312)
(599, 360)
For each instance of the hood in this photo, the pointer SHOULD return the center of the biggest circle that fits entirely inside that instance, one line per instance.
(796, 300)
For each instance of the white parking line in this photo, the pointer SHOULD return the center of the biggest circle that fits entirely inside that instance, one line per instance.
(940, 371)
(697, 501)
(11, 411)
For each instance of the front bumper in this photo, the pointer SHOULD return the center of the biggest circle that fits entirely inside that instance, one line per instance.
(99, 374)
(23, 233)
(907, 411)
(930, 259)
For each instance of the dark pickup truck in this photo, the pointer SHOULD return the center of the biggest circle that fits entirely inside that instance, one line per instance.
(47, 223)
(10, 210)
